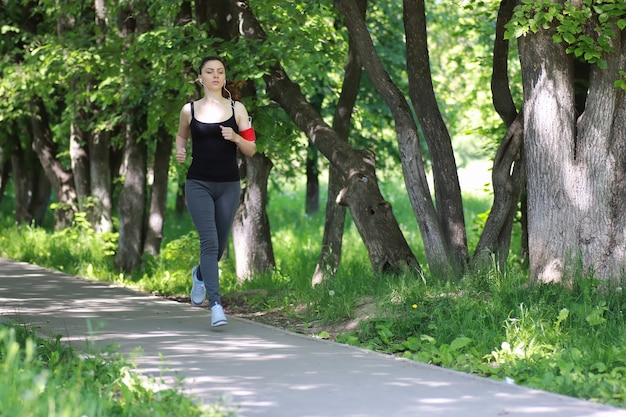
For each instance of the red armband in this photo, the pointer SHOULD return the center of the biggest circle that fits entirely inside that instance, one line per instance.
(248, 134)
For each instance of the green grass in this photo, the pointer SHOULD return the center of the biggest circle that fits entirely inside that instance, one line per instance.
(45, 377)
(492, 323)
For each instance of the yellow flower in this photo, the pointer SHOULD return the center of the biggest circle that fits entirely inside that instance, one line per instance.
(414, 306)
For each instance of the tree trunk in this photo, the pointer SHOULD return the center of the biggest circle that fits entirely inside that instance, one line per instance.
(251, 229)
(509, 166)
(335, 216)
(312, 198)
(576, 180)
(41, 194)
(61, 180)
(101, 213)
(449, 204)
(5, 167)
(387, 248)
(22, 185)
(132, 201)
(500, 90)
(440, 259)
(158, 197)
(80, 161)
(379, 229)
(508, 178)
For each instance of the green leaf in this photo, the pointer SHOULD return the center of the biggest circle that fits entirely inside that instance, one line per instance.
(460, 343)
(569, 38)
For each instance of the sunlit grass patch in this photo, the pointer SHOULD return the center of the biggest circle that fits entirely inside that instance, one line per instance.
(45, 377)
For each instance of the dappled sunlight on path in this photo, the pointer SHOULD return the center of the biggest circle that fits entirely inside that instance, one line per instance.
(261, 370)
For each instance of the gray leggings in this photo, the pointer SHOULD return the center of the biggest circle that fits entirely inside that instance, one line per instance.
(212, 206)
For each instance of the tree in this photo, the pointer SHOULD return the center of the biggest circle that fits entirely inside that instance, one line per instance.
(330, 253)
(575, 140)
(387, 247)
(251, 231)
(133, 22)
(509, 168)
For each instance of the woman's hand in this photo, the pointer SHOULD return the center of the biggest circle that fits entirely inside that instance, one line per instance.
(229, 134)
(181, 154)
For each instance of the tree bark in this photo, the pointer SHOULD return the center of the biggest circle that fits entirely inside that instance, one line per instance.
(80, 161)
(5, 167)
(61, 180)
(387, 247)
(509, 166)
(312, 198)
(101, 213)
(132, 200)
(335, 216)
(501, 93)
(449, 204)
(251, 229)
(508, 178)
(31, 187)
(22, 186)
(158, 196)
(440, 259)
(576, 180)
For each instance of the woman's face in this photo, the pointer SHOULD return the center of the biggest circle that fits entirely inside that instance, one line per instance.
(213, 75)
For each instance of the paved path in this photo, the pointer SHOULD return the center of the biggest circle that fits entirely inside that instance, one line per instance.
(262, 371)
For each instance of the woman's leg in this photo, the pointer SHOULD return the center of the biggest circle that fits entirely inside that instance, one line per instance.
(201, 206)
(225, 209)
(212, 207)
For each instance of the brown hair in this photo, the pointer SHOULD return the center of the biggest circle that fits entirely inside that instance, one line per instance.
(232, 86)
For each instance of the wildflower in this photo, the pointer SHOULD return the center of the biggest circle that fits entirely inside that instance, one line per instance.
(331, 293)
(414, 306)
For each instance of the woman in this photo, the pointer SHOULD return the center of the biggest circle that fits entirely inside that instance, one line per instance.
(212, 189)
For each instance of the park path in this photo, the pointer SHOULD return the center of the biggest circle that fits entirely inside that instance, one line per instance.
(259, 370)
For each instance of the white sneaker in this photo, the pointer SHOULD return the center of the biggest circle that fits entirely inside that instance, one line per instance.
(198, 291)
(218, 318)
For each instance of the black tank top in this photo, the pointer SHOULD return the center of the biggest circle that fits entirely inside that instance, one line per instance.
(213, 157)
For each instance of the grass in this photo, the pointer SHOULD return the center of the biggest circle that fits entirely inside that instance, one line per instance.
(45, 377)
(491, 323)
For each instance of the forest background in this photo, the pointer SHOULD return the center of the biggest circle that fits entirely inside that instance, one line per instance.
(90, 102)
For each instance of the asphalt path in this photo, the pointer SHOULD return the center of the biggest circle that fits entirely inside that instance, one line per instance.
(258, 370)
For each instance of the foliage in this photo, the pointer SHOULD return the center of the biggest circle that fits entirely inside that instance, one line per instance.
(491, 323)
(45, 377)
(74, 250)
(587, 27)
(569, 341)
(488, 324)
(460, 41)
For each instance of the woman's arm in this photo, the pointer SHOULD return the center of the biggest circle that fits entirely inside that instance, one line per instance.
(248, 148)
(182, 136)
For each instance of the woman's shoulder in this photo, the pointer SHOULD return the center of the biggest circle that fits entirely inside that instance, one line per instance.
(186, 107)
(240, 107)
